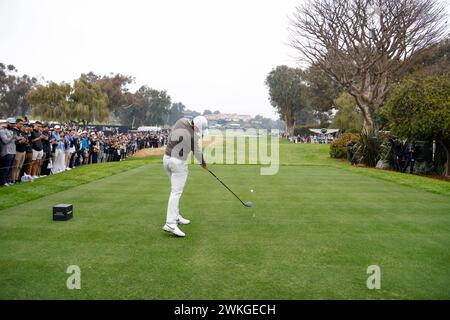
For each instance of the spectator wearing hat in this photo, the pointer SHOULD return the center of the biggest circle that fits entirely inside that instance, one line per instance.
(8, 137)
(21, 148)
(26, 168)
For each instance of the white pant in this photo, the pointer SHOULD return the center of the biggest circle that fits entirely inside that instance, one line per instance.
(177, 170)
(37, 155)
(59, 163)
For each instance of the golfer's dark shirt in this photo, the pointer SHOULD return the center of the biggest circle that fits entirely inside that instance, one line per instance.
(184, 127)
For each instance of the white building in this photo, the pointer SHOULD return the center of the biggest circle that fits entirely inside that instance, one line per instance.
(228, 117)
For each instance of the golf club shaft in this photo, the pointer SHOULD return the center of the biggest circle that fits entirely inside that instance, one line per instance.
(225, 186)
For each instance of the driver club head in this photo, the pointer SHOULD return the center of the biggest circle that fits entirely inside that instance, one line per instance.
(248, 204)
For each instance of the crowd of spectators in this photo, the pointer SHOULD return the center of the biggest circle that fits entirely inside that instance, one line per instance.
(32, 150)
(317, 139)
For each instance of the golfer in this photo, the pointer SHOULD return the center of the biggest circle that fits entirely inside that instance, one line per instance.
(185, 137)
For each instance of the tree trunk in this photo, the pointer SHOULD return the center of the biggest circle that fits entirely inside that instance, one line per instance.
(363, 104)
(368, 123)
(288, 121)
(446, 144)
(368, 120)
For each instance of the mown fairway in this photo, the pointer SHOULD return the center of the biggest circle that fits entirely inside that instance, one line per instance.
(314, 229)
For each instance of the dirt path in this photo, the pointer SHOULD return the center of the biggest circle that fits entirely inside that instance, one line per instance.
(149, 152)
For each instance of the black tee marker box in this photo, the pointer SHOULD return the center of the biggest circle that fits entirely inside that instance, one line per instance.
(62, 212)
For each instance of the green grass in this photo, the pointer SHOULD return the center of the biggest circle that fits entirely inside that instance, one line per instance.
(314, 229)
(42, 187)
(310, 154)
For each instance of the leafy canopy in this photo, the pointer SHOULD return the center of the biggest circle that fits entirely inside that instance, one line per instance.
(419, 108)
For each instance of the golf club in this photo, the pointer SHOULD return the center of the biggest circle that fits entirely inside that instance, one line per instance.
(247, 204)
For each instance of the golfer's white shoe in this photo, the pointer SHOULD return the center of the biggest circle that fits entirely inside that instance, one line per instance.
(173, 228)
(181, 220)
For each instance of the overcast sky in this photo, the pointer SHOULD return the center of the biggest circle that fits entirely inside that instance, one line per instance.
(212, 54)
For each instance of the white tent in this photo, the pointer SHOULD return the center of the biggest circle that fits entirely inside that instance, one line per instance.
(324, 135)
(324, 131)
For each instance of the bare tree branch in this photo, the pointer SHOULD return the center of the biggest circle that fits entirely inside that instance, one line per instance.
(363, 44)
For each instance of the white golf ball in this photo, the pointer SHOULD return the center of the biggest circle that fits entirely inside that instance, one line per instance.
(251, 190)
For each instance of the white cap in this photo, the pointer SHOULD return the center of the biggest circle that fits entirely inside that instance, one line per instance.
(57, 127)
(202, 124)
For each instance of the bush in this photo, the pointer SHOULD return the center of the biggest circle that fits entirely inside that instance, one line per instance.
(338, 148)
(369, 148)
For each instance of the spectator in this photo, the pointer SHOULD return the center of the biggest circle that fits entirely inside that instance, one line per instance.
(76, 156)
(21, 148)
(102, 150)
(69, 148)
(59, 159)
(8, 139)
(410, 157)
(351, 152)
(84, 147)
(26, 168)
(47, 149)
(93, 149)
(37, 149)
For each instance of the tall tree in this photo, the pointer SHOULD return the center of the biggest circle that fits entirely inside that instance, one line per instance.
(307, 116)
(155, 103)
(51, 102)
(362, 44)
(89, 103)
(85, 102)
(92, 77)
(191, 113)
(13, 91)
(419, 108)
(434, 60)
(347, 117)
(322, 89)
(116, 88)
(151, 108)
(176, 112)
(287, 93)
